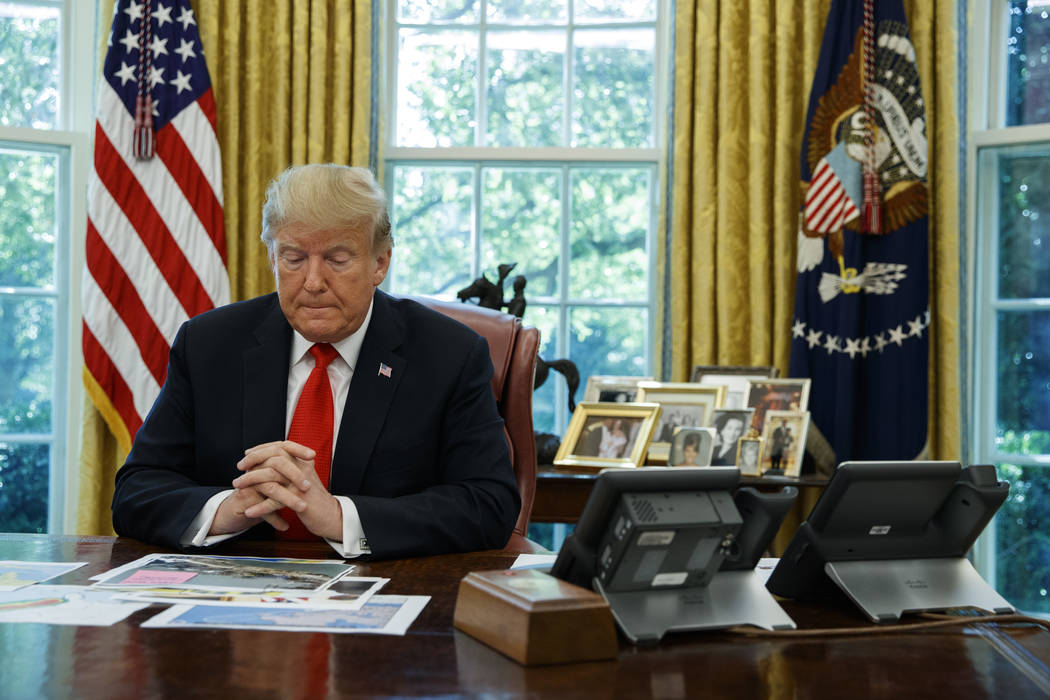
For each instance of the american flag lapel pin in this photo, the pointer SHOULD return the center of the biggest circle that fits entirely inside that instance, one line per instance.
(384, 369)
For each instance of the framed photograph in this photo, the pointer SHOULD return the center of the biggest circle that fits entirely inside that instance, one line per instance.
(612, 389)
(730, 426)
(691, 447)
(783, 443)
(684, 404)
(608, 435)
(776, 395)
(749, 455)
(736, 379)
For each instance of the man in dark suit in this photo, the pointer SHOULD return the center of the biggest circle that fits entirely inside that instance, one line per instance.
(420, 463)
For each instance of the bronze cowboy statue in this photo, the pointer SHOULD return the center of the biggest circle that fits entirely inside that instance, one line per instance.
(490, 295)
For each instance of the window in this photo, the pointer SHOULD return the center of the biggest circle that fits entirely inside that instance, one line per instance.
(1009, 226)
(528, 132)
(42, 162)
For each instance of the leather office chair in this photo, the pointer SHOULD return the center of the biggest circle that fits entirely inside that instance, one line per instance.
(513, 348)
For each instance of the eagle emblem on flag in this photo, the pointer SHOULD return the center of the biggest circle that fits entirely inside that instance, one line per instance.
(843, 137)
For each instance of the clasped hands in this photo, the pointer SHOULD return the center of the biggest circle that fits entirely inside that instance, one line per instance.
(279, 475)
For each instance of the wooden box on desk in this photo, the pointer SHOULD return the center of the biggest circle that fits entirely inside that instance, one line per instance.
(535, 618)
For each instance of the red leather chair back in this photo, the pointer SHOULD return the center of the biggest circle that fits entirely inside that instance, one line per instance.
(514, 349)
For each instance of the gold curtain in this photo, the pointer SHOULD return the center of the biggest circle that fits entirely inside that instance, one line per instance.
(742, 76)
(292, 85)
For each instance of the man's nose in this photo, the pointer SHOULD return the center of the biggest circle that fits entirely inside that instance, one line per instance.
(315, 280)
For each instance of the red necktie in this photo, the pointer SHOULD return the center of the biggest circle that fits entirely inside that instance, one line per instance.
(312, 425)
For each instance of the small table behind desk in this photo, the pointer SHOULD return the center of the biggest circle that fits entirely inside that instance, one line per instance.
(562, 492)
(127, 661)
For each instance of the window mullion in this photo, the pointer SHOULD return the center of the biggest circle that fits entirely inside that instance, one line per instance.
(568, 65)
(481, 99)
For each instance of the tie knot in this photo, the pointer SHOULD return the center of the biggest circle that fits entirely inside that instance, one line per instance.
(323, 354)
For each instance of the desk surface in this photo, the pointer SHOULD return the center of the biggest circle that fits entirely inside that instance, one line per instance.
(126, 661)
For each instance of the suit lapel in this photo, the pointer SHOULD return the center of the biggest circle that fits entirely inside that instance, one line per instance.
(266, 379)
(368, 400)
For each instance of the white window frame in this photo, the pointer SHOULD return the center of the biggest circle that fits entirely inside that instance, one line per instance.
(987, 33)
(552, 157)
(71, 140)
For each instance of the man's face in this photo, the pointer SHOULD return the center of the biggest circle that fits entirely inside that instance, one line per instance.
(325, 279)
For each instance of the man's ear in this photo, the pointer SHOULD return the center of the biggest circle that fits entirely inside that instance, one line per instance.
(382, 267)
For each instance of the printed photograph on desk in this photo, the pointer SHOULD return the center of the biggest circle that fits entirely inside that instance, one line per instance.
(783, 443)
(776, 395)
(348, 593)
(735, 378)
(682, 404)
(225, 573)
(609, 389)
(608, 435)
(691, 447)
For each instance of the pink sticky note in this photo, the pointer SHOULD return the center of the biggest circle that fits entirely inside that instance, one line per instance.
(162, 578)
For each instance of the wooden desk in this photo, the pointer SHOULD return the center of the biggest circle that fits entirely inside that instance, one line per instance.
(126, 661)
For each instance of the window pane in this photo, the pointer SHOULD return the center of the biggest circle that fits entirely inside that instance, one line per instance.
(1024, 227)
(525, 96)
(520, 219)
(608, 341)
(543, 399)
(1022, 537)
(29, 69)
(432, 214)
(610, 224)
(27, 218)
(612, 10)
(26, 364)
(1023, 381)
(24, 473)
(1028, 63)
(437, 11)
(436, 89)
(613, 88)
(526, 11)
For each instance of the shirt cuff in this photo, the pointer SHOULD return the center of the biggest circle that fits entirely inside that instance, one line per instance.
(196, 535)
(354, 542)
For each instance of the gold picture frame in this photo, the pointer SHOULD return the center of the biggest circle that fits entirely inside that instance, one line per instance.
(776, 394)
(791, 445)
(684, 404)
(610, 389)
(736, 379)
(749, 456)
(593, 438)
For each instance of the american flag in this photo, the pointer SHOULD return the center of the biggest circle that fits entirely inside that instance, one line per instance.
(156, 241)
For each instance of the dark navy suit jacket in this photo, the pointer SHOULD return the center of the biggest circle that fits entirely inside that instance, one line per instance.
(422, 452)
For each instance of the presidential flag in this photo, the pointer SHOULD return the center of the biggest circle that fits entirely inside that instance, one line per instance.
(156, 242)
(862, 319)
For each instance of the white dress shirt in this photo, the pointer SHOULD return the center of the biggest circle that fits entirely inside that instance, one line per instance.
(340, 371)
